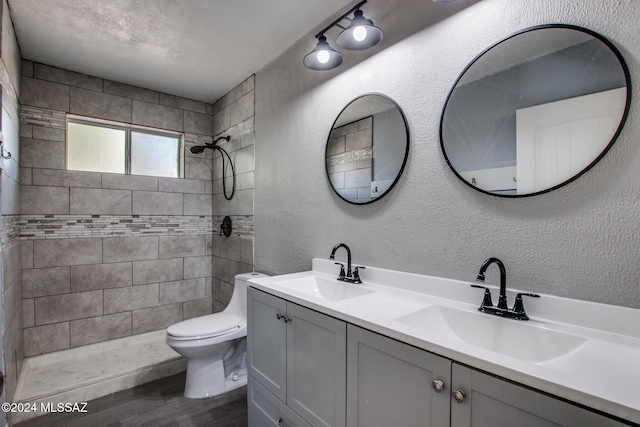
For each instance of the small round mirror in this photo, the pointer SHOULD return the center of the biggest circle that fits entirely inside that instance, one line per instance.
(367, 149)
(535, 111)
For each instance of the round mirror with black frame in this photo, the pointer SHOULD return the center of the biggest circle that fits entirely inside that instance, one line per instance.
(367, 149)
(535, 111)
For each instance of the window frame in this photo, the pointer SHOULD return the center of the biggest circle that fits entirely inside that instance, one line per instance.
(127, 128)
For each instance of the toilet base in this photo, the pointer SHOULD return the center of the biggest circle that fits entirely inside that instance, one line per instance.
(208, 377)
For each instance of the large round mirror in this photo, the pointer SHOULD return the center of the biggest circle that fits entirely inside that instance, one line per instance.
(535, 111)
(367, 149)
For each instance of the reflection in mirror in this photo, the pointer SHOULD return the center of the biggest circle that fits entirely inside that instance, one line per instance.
(367, 149)
(535, 111)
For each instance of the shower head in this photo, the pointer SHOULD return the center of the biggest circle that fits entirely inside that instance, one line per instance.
(200, 148)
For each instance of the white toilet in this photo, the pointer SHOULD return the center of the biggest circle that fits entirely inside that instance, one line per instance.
(215, 346)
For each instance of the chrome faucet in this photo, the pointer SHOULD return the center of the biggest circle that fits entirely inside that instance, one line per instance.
(502, 309)
(346, 277)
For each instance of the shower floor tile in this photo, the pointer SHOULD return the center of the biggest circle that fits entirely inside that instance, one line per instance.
(89, 372)
(159, 403)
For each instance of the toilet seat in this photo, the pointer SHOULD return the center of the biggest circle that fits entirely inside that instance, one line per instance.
(210, 326)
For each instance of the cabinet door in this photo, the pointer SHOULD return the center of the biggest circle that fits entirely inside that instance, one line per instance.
(265, 410)
(316, 366)
(390, 383)
(267, 341)
(493, 402)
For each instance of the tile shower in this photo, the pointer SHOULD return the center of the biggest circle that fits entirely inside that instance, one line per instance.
(106, 256)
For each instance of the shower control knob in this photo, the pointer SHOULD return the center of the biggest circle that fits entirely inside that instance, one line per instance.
(459, 395)
(437, 385)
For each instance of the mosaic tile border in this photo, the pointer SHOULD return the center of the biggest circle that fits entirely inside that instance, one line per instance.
(34, 227)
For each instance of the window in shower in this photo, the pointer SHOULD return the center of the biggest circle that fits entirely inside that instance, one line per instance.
(101, 146)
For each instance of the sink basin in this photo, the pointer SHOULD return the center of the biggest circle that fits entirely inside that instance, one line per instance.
(516, 339)
(329, 290)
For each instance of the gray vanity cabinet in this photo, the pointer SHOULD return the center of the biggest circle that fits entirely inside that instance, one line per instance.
(493, 402)
(390, 383)
(298, 356)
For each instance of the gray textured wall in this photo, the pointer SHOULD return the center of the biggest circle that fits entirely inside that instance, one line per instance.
(581, 241)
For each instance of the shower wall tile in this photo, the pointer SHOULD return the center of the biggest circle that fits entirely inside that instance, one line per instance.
(60, 308)
(183, 103)
(198, 204)
(246, 249)
(44, 200)
(40, 153)
(226, 291)
(48, 133)
(100, 105)
(133, 92)
(181, 291)
(181, 246)
(242, 109)
(198, 168)
(44, 94)
(182, 185)
(130, 298)
(234, 250)
(10, 268)
(45, 339)
(58, 75)
(197, 123)
(130, 248)
(199, 266)
(63, 252)
(197, 308)
(98, 329)
(242, 202)
(238, 268)
(99, 201)
(152, 319)
(100, 276)
(26, 252)
(28, 313)
(129, 182)
(158, 116)
(45, 281)
(157, 271)
(151, 203)
(66, 178)
(221, 269)
(221, 120)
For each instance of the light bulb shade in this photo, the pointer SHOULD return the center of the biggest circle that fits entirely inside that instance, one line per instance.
(361, 33)
(323, 57)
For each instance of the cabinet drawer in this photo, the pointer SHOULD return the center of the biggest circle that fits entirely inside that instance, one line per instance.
(267, 410)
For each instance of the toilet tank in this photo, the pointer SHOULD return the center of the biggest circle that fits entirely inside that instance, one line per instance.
(238, 303)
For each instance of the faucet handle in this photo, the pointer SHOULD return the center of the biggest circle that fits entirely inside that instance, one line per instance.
(356, 274)
(486, 302)
(518, 305)
(342, 274)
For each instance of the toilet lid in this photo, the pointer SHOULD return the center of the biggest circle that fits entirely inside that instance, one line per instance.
(206, 326)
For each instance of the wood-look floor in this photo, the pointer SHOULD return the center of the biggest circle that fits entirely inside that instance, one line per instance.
(156, 404)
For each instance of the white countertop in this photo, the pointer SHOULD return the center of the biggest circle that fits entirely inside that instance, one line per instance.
(602, 373)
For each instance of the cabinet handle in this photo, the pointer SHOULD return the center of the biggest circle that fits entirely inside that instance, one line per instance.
(280, 421)
(284, 317)
(459, 395)
(437, 385)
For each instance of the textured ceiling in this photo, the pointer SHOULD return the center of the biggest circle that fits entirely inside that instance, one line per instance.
(198, 49)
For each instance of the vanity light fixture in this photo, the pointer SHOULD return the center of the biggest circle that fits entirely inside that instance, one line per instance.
(360, 34)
